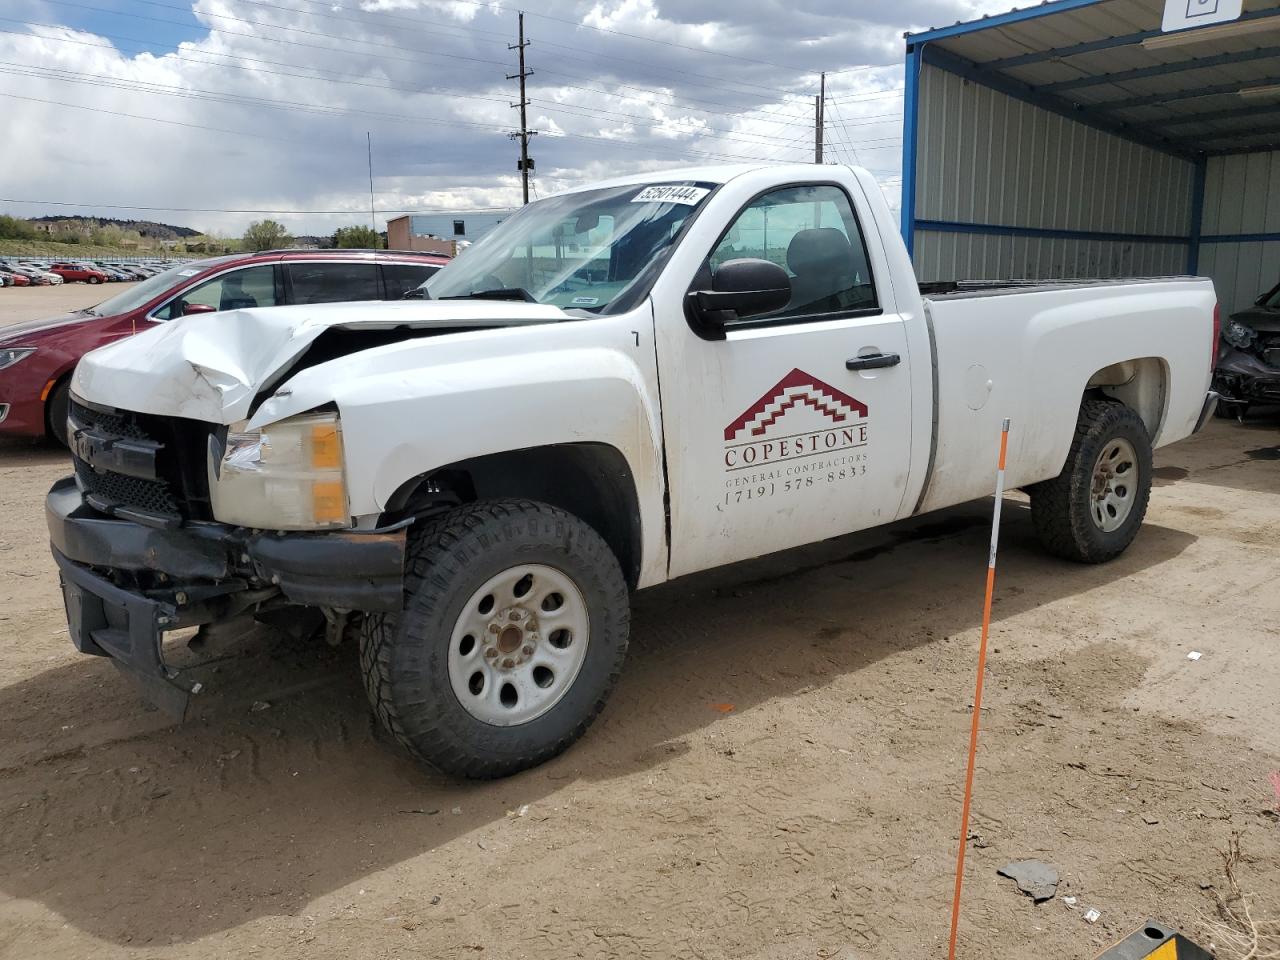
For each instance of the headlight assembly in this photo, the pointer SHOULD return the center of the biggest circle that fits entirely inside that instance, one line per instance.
(1238, 334)
(11, 355)
(286, 476)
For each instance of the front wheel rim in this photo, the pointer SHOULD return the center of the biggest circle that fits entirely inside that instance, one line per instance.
(1114, 486)
(518, 644)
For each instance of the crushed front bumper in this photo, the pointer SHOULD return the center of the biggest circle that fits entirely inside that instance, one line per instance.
(210, 572)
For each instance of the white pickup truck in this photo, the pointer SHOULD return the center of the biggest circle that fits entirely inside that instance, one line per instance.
(619, 385)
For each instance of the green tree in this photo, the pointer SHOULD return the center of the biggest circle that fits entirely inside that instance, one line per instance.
(265, 235)
(356, 238)
(11, 228)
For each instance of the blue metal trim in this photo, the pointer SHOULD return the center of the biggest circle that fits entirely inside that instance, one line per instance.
(1045, 9)
(1105, 43)
(946, 60)
(1209, 116)
(1271, 147)
(1189, 93)
(999, 230)
(1159, 70)
(1242, 238)
(910, 124)
(1197, 215)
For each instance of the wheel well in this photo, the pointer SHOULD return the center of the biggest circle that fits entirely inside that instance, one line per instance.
(1140, 384)
(593, 481)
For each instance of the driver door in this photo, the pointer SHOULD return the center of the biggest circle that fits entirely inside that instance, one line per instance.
(775, 435)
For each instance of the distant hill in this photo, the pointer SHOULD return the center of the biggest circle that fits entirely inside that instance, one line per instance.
(145, 228)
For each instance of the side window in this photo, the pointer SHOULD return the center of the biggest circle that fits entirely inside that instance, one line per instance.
(399, 278)
(812, 233)
(333, 282)
(250, 287)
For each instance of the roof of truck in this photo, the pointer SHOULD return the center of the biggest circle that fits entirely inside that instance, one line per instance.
(718, 173)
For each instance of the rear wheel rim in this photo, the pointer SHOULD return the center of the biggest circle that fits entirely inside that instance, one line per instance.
(518, 644)
(1114, 485)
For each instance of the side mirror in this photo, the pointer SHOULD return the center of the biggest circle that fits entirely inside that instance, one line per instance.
(739, 289)
(189, 309)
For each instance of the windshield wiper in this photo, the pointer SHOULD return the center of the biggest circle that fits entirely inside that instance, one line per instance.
(498, 293)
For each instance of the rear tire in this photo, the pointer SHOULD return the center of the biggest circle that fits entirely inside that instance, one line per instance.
(56, 412)
(476, 677)
(1092, 510)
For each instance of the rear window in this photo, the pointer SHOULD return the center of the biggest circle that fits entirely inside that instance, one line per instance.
(400, 278)
(333, 282)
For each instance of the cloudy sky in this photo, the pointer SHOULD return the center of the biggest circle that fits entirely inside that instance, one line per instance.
(231, 107)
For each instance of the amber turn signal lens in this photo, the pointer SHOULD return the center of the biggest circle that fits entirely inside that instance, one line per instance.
(326, 446)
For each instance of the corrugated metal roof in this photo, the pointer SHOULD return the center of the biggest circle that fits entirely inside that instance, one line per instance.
(1104, 61)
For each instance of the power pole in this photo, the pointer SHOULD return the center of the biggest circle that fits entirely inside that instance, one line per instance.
(373, 218)
(525, 163)
(819, 111)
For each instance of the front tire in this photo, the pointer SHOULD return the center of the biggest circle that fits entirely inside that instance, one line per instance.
(513, 633)
(56, 412)
(1092, 510)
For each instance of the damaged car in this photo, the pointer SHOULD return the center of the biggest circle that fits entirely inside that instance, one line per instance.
(1248, 365)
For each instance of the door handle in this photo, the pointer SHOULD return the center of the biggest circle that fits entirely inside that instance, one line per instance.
(873, 362)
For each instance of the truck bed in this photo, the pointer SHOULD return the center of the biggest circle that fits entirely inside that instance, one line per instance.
(961, 289)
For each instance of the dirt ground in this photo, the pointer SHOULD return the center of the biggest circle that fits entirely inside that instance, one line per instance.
(29, 303)
(777, 776)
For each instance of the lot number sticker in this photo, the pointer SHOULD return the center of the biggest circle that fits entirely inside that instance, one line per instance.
(672, 193)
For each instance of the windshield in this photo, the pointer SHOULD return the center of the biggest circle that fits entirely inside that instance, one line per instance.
(580, 251)
(151, 288)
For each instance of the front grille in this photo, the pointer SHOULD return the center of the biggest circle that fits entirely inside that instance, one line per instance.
(117, 490)
(160, 475)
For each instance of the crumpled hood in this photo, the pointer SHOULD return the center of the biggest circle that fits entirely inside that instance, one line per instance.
(211, 366)
(27, 329)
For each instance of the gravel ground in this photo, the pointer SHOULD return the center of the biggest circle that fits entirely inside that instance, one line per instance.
(776, 777)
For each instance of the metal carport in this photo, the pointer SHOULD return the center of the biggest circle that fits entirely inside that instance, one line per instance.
(1075, 139)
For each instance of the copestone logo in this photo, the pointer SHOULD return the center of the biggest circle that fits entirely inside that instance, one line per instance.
(802, 434)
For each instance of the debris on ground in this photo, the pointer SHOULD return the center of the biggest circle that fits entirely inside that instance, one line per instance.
(1035, 878)
(1092, 915)
(1194, 655)
(259, 706)
(1243, 933)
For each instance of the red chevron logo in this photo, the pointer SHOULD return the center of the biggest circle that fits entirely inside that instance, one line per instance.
(796, 388)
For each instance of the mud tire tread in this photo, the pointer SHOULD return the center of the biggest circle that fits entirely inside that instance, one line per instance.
(441, 550)
(1060, 507)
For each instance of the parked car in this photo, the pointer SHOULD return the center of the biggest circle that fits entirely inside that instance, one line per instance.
(36, 358)
(473, 484)
(78, 273)
(35, 276)
(114, 275)
(1248, 368)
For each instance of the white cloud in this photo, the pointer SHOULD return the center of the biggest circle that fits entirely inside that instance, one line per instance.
(270, 107)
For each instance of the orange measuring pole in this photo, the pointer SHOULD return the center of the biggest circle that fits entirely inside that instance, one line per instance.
(977, 693)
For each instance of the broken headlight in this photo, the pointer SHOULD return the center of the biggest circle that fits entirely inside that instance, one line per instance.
(1238, 334)
(284, 476)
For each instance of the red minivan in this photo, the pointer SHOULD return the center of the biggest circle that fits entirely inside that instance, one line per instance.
(37, 357)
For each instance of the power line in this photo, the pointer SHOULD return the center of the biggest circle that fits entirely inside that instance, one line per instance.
(184, 57)
(717, 82)
(196, 93)
(126, 206)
